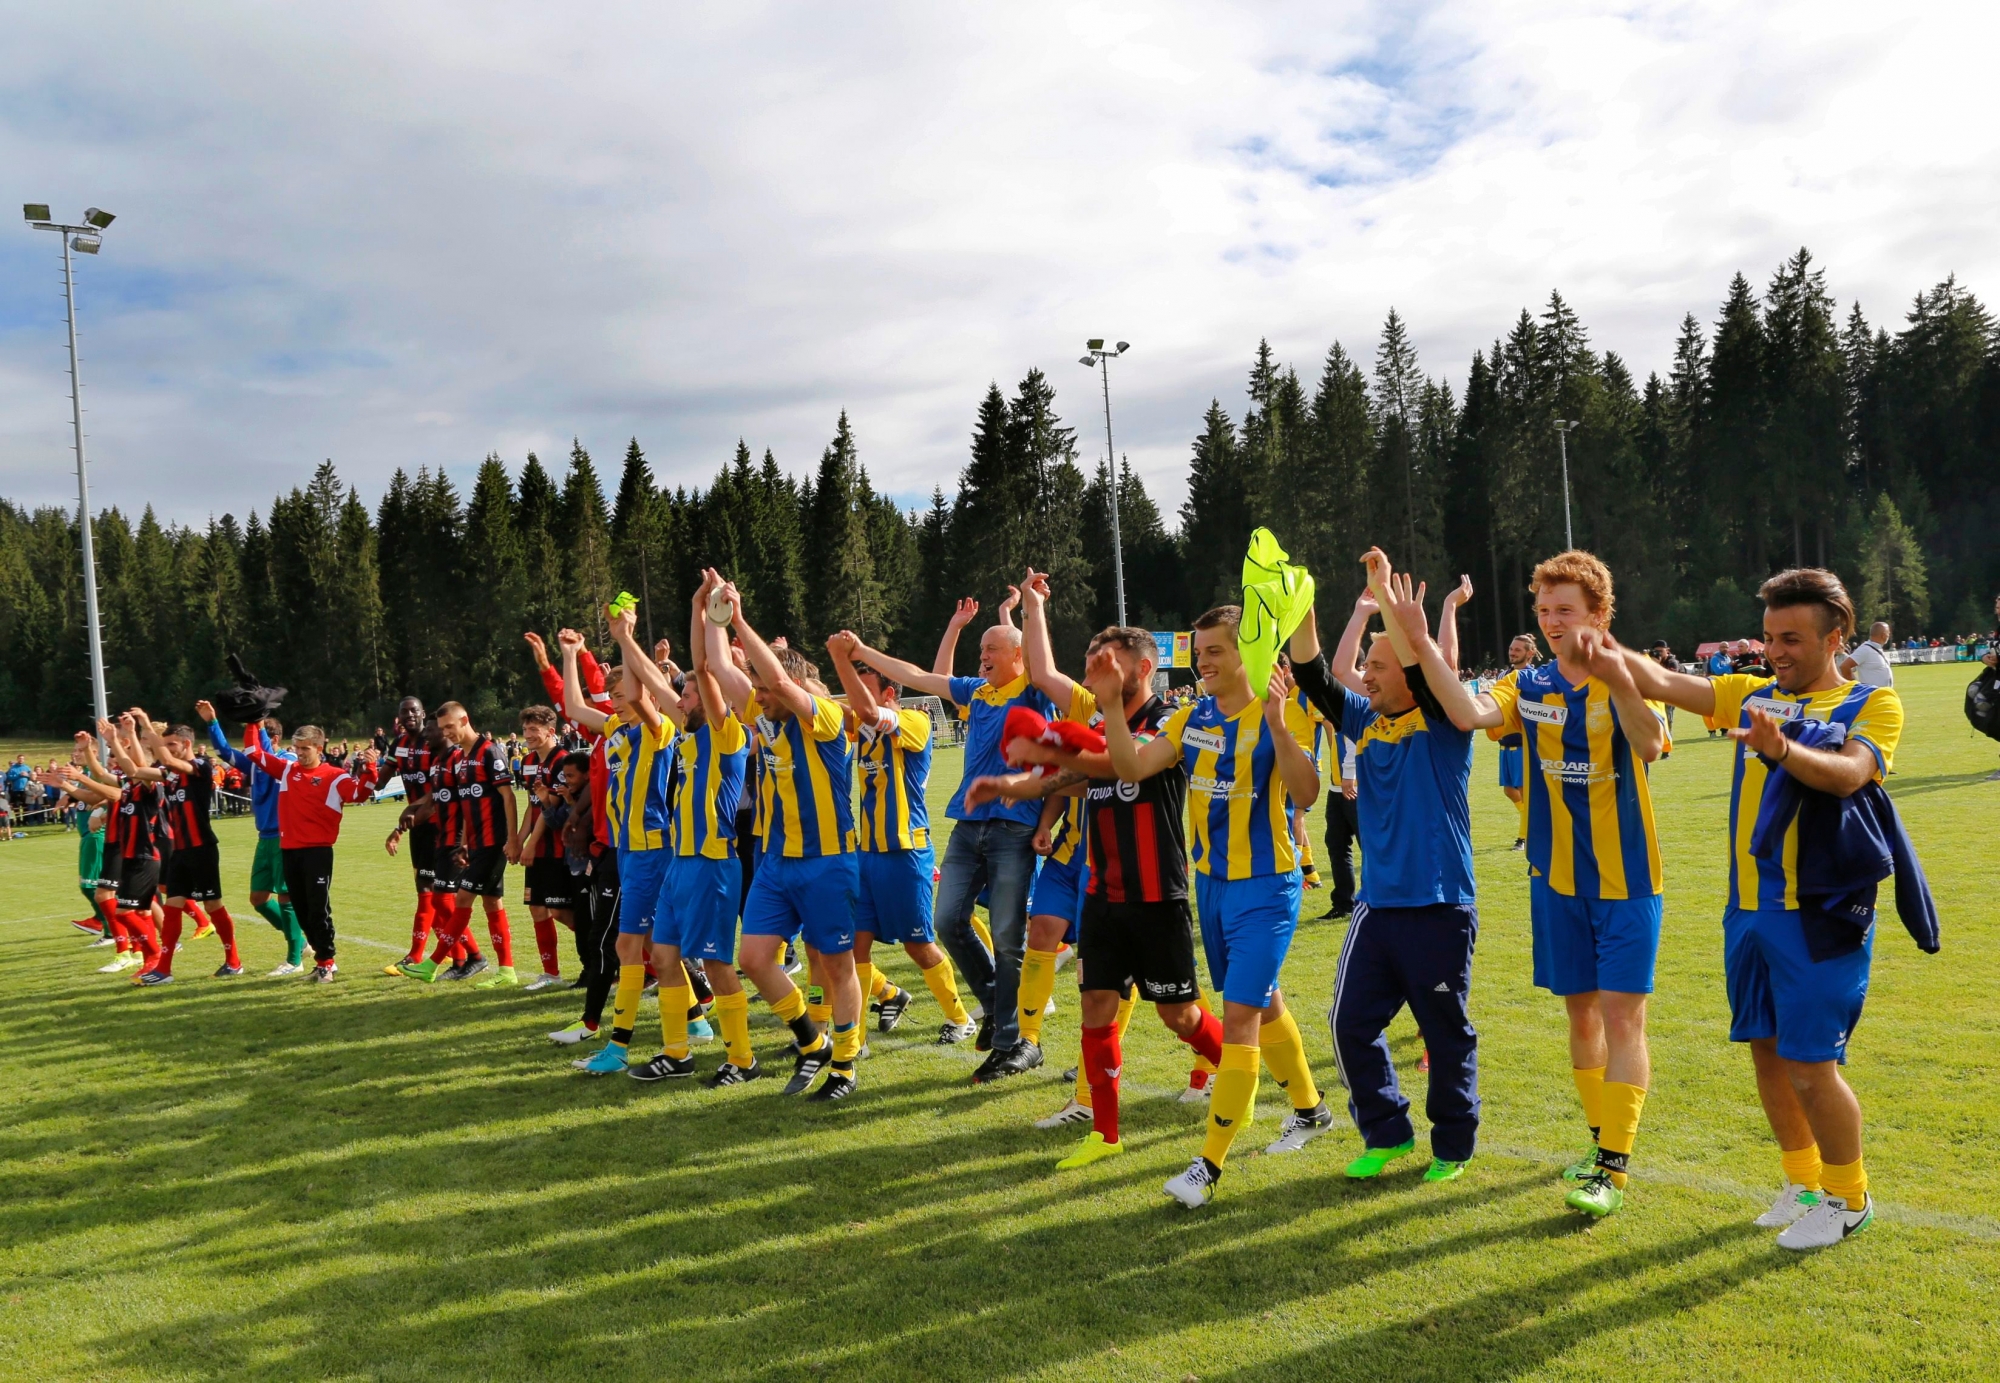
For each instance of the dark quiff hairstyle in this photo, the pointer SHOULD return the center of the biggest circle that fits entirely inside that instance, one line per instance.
(1136, 642)
(1231, 615)
(1812, 586)
(541, 715)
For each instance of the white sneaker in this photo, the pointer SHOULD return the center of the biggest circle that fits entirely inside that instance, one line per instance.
(1195, 1187)
(1197, 1094)
(1826, 1224)
(541, 982)
(1050, 1006)
(1070, 1113)
(576, 1032)
(1064, 956)
(289, 969)
(101, 941)
(114, 967)
(1301, 1127)
(1792, 1204)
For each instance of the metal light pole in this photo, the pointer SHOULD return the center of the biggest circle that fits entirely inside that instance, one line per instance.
(1563, 430)
(83, 239)
(1096, 355)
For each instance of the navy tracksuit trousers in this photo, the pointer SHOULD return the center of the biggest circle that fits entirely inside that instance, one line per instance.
(1421, 957)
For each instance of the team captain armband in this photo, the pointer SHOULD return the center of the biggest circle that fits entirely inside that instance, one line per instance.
(1025, 723)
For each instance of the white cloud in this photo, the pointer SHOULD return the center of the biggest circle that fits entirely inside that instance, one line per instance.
(396, 235)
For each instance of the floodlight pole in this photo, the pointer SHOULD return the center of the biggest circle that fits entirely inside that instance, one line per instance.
(1563, 429)
(1102, 358)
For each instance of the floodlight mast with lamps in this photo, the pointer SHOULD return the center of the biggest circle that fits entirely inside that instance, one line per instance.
(87, 238)
(1096, 355)
(1563, 430)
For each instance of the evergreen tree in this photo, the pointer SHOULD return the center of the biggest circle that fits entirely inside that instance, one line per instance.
(843, 591)
(1215, 517)
(1895, 584)
(584, 539)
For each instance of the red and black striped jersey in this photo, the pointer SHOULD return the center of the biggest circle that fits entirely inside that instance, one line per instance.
(409, 758)
(142, 829)
(188, 797)
(114, 821)
(445, 801)
(539, 774)
(477, 775)
(1138, 831)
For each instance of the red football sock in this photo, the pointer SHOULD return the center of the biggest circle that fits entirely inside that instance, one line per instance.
(500, 931)
(451, 931)
(420, 928)
(1102, 1060)
(1207, 1039)
(145, 937)
(225, 928)
(170, 937)
(545, 943)
(120, 933)
(196, 911)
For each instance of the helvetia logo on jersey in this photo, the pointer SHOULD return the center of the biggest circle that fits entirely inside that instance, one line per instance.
(1208, 741)
(1541, 714)
(1776, 709)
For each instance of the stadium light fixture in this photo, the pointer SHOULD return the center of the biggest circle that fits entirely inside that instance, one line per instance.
(1563, 430)
(1099, 357)
(88, 239)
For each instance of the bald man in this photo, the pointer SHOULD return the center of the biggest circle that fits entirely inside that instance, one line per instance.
(1868, 663)
(992, 846)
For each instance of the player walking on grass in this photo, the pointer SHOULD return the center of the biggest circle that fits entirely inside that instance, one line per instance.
(694, 915)
(993, 844)
(1415, 919)
(486, 817)
(311, 797)
(1797, 980)
(1593, 854)
(144, 837)
(269, 894)
(550, 889)
(194, 870)
(590, 836)
(896, 864)
(411, 754)
(1245, 771)
(808, 876)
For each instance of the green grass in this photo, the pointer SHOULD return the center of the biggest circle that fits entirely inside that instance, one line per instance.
(259, 1179)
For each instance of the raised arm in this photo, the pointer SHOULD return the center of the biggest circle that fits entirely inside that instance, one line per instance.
(1034, 594)
(574, 705)
(1655, 683)
(1295, 766)
(228, 752)
(778, 687)
(714, 704)
(638, 663)
(1448, 620)
(1642, 727)
(947, 653)
(1347, 653)
(260, 757)
(1405, 608)
(1132, 761)
(908, 674)
(861, 702)
(156, 745)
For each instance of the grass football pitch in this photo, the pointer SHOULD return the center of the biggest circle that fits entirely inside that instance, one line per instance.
(261, 1179)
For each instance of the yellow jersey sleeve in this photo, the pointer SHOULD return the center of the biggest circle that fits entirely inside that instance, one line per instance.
(1176, 724)
(1879, 724)
(729, 736)
(1082, 704)
(913, 728)
(1506, 694)
(828, 721)
(662, 735)
(753, 710)
(1659, 710)
(1731, 690)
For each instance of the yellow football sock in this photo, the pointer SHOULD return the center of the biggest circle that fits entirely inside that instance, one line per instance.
(879, 987)
(625, 1008)
(1285, 1053)
(818, 1007)
(1235, 1095)
(1848, 1180)
(733, 1012)
(846, 1044)
(985, 933)
(1802, 1166)
(1522, 832)
(1082, 1095)
(865, 973)
(1621, 1106)
(790, 1006)
(1590, 1089)
(1126, 1003)
(674, 1019)
(1038, 982)
(943, 983)
(1305, 849)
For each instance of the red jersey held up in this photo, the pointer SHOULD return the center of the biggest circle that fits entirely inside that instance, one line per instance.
(309, 799)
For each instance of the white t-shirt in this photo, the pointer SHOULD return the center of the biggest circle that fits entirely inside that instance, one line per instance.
(1871, 665)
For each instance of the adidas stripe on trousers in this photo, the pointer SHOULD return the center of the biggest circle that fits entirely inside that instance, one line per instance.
(1422, 957)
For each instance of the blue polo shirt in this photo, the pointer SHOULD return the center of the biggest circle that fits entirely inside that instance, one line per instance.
(1411, 776)
(983, 707)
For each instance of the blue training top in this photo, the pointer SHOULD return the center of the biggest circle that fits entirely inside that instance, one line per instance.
(263, 788)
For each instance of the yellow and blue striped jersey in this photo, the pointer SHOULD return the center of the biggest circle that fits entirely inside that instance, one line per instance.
(710, 783)
(1873, 715)
(636, 800)
(983, 707)
(1307, 725)
(1591, 832)
(1068, 832)
(895, 770)
(808, 789)
(1509, 739)
(1239, 806)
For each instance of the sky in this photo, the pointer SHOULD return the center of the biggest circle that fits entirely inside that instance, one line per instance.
(397, 235)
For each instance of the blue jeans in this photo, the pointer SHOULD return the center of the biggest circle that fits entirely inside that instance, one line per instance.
(997, 856)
